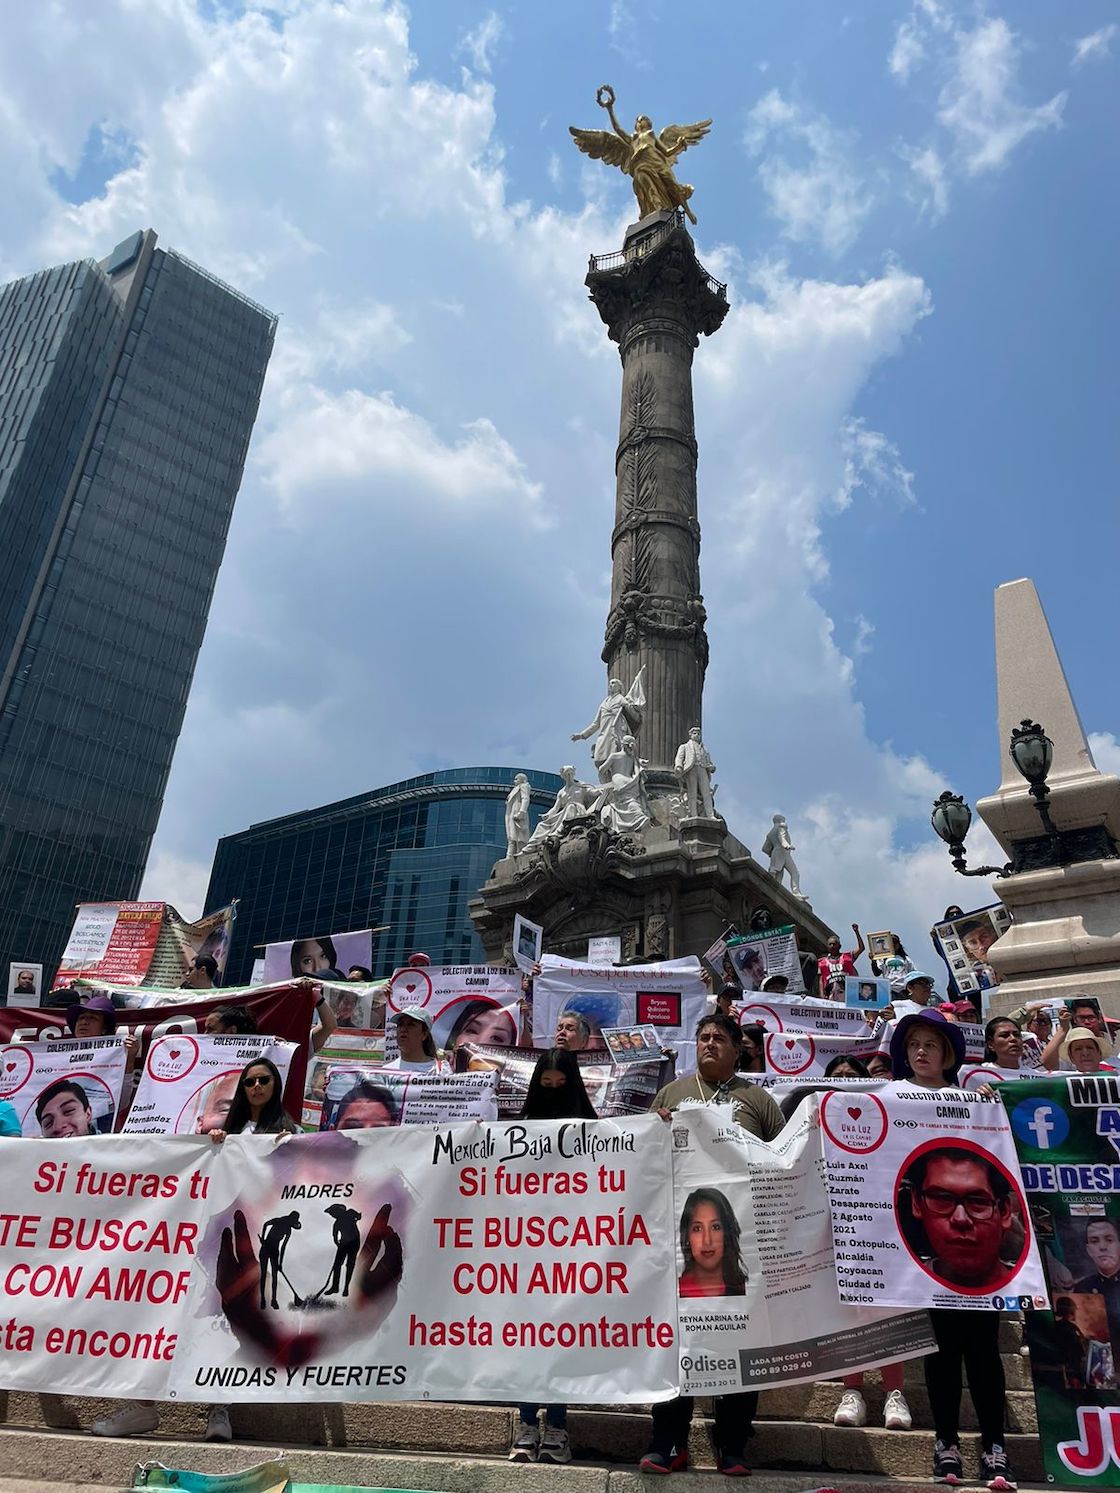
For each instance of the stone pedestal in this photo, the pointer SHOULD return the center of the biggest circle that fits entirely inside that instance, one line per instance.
(667, 894)
(1065, 939)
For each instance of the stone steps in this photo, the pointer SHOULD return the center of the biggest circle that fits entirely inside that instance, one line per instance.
(611, 1435)
(48, 1462)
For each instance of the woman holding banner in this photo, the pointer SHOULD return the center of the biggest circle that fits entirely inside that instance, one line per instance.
(556, 1092)
(927, 1051)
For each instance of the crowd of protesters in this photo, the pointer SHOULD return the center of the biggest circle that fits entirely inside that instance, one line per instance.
(922, 1045)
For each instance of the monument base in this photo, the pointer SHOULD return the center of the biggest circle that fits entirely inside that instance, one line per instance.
(666, 894)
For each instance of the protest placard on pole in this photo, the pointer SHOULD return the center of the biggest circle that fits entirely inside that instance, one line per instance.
(927, 1203)
(64, 1089)
(756, 1270)
(772, 951)
(465, 1002)
(188, 1083)
(606, 949)
(1067, 1133)
(528, 941)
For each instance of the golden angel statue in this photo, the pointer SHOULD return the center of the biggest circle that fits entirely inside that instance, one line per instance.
(645, 156)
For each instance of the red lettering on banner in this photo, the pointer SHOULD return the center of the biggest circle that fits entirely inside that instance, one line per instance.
(462, 1230)
(102, 1344)
(26, 1226)
(17, 1337)
(156, 1286)
(1098, 1441)
(43, 1280)
(469, 1334)
(561, 1232)
(137, 1237)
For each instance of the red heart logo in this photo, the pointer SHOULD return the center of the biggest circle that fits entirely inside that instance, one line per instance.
(853, 1112)
(790, 1044)
(410, 988)
(10, 1067)
(173, 1053)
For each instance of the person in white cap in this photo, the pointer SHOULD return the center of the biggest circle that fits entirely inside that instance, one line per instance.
(417, 1045)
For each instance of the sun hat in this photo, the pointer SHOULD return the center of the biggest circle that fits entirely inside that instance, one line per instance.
(101, 1005)
(952, 1033)
(414, 1013)
(1083, 1034)
(914, 976)
(418, 961)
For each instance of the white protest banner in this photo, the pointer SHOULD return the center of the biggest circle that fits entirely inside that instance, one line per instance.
(528, 940)
(466, 1003)
(976, 1075)
(927, 1200)
(187, 1083)
(362, 1050)
(756, 1270)
(800, 1055)
(824, 1018)
(25, 984)
(669, 996)
(95, 1252)
(307, 957)
(111, 941)
(63, 1089)
(863, 994)
(374, 1098)
(613, 1090)
(470, 1262)
(772, 951)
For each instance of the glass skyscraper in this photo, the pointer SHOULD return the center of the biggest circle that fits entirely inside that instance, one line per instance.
(411, 855)
(128, 392)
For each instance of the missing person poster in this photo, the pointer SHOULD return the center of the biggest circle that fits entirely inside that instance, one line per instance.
(63, 1090)
(304, 958)
(756, 1268)
(631, 1044)
(25, 984)
(863, 994)
(928, 1207)
(377, 1098)
(465, 1002)
(188, 1083)
(770, 952)
(669, 996)
(528, 941)
(964, 942)
(1067, 1132)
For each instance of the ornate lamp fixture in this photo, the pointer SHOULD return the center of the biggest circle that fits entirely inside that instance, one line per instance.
(951, 819)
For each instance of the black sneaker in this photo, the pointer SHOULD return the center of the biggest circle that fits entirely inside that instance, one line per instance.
(996, 1469)
(660, 1463)
(947, 1464)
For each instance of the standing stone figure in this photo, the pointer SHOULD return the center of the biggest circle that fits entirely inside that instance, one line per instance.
(617, 717)
(779, 847)
(517, 816)
(694, 772)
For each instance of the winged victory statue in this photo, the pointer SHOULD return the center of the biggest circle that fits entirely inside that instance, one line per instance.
(645, 156)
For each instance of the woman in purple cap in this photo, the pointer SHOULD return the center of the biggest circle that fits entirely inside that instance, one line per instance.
(926, 1052)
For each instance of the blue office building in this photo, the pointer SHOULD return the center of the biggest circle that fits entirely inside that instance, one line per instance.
(128, 392)
(411, 856)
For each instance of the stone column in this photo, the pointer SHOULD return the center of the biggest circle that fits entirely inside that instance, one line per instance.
(656, 299)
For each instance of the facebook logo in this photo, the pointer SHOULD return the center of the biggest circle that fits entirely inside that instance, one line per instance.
(1040, 1123)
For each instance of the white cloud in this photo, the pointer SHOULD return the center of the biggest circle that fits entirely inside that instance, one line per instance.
(1098, 44)
(932, 191)
(979, 106)
(1106, 751)
(814, 191)
(480, 43)
(176, 879)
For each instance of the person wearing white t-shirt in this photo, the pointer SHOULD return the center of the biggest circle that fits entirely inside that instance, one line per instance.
(415, 1042)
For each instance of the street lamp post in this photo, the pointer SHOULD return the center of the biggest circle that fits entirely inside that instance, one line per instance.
(1032, 752)
(951, 819)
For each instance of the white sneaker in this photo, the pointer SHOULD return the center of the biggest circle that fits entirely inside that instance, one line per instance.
(134, 1421)
(896, 1412)
(555, 1446)
(218, 1427)
(525, 1443)
(851, 1411)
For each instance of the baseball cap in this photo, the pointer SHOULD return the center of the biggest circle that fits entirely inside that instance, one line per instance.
(414, 1013)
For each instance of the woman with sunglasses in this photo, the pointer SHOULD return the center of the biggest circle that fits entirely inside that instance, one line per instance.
(257, 1107)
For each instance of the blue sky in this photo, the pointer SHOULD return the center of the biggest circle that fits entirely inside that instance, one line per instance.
(912, 399)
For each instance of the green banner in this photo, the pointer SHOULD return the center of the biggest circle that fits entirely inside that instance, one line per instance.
(1067, 1132)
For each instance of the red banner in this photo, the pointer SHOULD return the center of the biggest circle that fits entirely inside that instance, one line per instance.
(112, 941)
(282, 1011)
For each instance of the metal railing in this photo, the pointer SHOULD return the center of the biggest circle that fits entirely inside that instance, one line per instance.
(622, 258)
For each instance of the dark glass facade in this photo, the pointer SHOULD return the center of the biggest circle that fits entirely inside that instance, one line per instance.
(128, 392)
(411, 855)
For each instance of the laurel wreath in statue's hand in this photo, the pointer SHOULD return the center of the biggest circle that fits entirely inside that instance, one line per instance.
(604, 96)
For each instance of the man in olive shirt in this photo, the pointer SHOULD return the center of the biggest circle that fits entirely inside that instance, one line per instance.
(714, 1083)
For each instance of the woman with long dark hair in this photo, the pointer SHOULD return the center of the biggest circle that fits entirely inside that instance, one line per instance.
(556, 1092)
(258, 1107)
(312, 956)
(710, 1234)
(1003, 1042)
(752, 1054)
